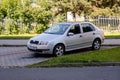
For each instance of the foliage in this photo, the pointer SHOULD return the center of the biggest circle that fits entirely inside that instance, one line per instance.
(15, 29)
(41, 16)
(39, 28)
(27, 18)
(34, 13)
(3, 13)
(106, 5)
(1, 29)
(12, 7)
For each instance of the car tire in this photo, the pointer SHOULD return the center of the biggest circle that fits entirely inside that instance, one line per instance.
(96, 44)
(59, 50)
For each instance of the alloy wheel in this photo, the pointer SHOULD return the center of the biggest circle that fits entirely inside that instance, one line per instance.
(59, 50)
(96, 44)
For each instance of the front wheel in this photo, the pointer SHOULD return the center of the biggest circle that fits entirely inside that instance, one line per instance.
(58, 50)
(96, 44)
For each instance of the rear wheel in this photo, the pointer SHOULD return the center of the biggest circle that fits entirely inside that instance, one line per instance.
(58, 50)
(96, 44)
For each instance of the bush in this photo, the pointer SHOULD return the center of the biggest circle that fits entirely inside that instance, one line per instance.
(1, 29)
(40, 28)
(15, 29)
(12, 29)
(26, 29)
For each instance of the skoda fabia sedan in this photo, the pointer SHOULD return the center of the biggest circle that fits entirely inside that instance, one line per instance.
(67, 36)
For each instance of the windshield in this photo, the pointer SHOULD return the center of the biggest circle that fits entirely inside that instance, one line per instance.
(57, 29)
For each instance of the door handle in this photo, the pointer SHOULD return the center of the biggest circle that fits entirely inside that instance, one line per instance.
(80, 35)
(93, 33)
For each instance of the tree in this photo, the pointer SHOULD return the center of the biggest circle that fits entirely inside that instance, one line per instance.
(3, 12)
(27, 18)
(41, 18)
(50, 11)
(75, 6)
(12, 9)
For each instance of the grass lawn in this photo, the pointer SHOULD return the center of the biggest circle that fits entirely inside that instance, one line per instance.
(109, 55)
(20, 36)
(112, 35)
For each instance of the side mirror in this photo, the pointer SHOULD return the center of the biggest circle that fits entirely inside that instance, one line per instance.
(70, 34)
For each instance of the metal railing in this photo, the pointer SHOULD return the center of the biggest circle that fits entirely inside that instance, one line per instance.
(105, 23)
(108, 24)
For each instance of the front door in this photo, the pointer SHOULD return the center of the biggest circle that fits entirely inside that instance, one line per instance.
(73, 41)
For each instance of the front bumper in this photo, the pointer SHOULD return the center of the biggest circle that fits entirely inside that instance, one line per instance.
(42, 49)
(39, 50)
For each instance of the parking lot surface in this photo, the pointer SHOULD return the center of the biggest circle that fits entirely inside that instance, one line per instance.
(17, 56)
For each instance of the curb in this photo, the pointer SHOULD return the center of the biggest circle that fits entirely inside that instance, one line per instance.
(89, 64)
(7, 45)
(110, 45)
(96, 64)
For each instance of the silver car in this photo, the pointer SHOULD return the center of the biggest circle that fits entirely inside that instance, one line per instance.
(67, 36)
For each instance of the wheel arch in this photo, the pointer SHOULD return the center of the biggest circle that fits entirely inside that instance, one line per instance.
(59, 44)
(97, 39)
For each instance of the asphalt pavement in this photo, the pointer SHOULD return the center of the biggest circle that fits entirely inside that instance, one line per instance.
(74, 73)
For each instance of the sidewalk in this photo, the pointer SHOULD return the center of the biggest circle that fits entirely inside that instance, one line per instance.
(14, 42)
(111, 42)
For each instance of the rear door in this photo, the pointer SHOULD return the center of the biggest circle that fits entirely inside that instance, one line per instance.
(88, 33)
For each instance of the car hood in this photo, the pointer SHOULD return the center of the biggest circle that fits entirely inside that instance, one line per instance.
(45, 37)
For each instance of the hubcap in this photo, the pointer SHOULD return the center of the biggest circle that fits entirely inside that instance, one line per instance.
(96, 45)
(59, 50)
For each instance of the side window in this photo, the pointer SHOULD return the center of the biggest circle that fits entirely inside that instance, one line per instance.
(93, 28)
(75, 29)
(87, 27)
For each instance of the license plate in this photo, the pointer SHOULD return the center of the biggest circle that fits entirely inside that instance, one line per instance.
(33, 47)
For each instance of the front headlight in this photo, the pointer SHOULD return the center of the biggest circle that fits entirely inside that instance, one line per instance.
(43, 43)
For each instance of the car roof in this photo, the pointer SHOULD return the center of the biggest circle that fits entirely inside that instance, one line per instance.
(73, 22)
(77, 23)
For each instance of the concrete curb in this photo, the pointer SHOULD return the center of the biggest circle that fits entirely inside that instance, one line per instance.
(110, 44)
(92, 64)
(96, 64)
(7, 45)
